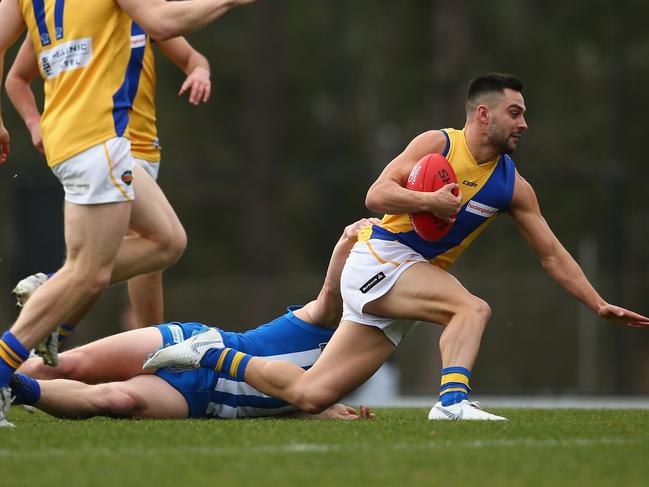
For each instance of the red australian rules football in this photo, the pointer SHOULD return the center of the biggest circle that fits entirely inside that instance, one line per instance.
(431, 173)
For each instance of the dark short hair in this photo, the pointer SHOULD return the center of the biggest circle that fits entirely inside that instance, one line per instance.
(492, 83)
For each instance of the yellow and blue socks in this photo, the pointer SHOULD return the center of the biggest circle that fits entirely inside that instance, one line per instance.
(64, 331)
(25, 390)
(227, 361)
(455, 385)
(12, 354)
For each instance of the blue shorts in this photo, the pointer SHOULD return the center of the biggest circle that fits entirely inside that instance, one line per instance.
(196, 386)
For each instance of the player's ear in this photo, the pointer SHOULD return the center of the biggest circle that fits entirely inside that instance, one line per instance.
(482, 114)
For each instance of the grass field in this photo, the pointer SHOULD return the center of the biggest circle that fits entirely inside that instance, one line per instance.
(534, 448)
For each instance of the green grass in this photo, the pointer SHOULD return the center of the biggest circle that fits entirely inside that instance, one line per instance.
(400, 448)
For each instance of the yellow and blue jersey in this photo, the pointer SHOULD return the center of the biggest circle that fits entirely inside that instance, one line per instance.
(142, 129)
(487, 190)
(83, 50)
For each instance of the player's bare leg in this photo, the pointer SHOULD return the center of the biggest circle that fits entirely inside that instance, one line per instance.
(160, 239)
(147, 298)
(114, 358)
(144, 396)
(93, 234)
(427, 293)
(353, 355)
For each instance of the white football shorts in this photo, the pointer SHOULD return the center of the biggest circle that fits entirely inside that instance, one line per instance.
(371, 270)
(101, 174)
(153, 168)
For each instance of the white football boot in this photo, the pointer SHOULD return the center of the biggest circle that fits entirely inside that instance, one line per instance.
(28, 286)
(5, 404)
(462, 411)
(48, 348)
(186, 354)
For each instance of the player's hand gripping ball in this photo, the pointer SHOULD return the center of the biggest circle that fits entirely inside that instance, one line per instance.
(431, 173)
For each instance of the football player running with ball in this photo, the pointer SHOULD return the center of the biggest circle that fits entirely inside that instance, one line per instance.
(393, 278)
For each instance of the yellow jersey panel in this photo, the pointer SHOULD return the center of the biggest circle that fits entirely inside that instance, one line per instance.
(487, 191)
(142, 128)
(82, 49)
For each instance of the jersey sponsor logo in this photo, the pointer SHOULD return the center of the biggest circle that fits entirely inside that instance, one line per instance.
(470, 184)
(66, 56)
(481, 209)
(372, 282)
(138, 41)
(127, 177)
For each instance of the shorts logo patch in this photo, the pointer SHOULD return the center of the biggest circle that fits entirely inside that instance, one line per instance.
(76, 186)
(372, 282)
(127, 177)
(322, 346)
(176, 333)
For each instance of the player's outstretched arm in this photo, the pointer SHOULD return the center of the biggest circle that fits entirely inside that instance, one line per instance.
(164, 20)
(18, 85)
(193, 64)
(556, 260)
(389, 195)
(11, 25)
(326, 309)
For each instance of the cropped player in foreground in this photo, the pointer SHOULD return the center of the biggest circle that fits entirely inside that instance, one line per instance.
(123, 389)
(393, 274)
(84, 54)
(145, 291)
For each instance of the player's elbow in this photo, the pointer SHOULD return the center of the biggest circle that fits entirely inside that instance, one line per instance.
(373, 200)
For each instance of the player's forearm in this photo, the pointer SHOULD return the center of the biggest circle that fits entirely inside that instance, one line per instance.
(391, 198)
(172, 19)
(565, 270)
(197, 61)
(22, 98)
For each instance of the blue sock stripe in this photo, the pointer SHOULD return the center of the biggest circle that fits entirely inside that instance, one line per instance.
(456, 370)
(453, 397)
(14, 345)
(454, 385)
(241, 370)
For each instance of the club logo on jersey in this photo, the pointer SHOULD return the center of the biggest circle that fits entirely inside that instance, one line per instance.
(372, 282)
(138, 41)
(66, 56)
(45, 39)
(127, 177)
(481, 209)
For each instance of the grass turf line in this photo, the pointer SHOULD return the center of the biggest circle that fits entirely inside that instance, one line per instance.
(536, 447)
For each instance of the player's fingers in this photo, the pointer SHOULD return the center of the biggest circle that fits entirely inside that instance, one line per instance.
(185, 86)
(208, 93)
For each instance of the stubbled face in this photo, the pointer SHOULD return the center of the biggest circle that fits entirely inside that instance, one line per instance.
(506, 121)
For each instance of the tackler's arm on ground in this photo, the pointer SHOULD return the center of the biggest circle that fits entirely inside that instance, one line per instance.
(18, 85)
(193, 64)
(164, 20)
(389, 195)
(336, 411)
(557, 261)
(326, 309)
(11, 26)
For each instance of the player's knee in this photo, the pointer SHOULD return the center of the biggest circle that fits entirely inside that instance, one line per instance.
(171, 244)
(481, 309)
(118, 401)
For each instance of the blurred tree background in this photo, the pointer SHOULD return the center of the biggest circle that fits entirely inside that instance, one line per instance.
(312, 99)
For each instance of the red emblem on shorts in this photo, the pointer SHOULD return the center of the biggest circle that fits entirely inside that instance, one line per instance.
(127, 177)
